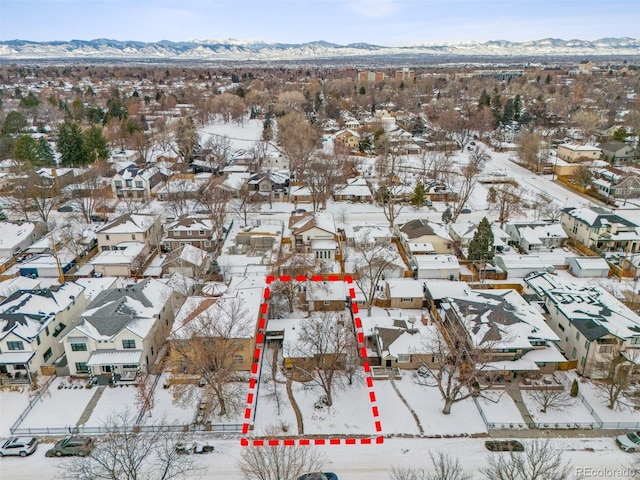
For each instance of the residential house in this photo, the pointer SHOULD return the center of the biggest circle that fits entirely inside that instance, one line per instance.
(48, 264)
(349, 138)
(435, 266)
(31, 324)
(197, 231)
(131, 227)
(326, 296)
(404, 293)
(364, 235)
(536, 236)
(15, 238)
(519, 266)
(135, 182)
(438, 191)
(420, 237)
(315, 232)
(300, 194)
(189, 261)
(463, 232)
(231, 316)
(122, 330)
(616, 152)
(261, 237)
(356, 190)
(615, 184)
(273, 186)
(511, 334)
(183, 187)
(601, 229)
(593, 326)
(578, 153)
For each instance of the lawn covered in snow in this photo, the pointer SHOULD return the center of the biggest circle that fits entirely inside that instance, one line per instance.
(12, 403)
(498, 407)
(573, 412)
(114, 401)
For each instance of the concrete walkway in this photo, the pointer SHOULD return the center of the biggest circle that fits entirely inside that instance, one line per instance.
(406, 404)
(514, 392)
(90, 406)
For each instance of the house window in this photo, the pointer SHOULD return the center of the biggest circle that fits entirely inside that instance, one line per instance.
(38, 339)
(107, 237)
(106, 368)
(138, 184)
(404, 358)
(202, 233)
(561, 327)
(577, 335)
(133, 366)
(128, 183)
(81, 367)
(47, 354)
(133, 236)
(635, 341)
(238, 359)
(606, 349)
(574, 352)
(118, 183)
(78, 347)
(128, 344)
(16, 345)
(586, 344)
(189, 232)
(583, 361)
(406, 300)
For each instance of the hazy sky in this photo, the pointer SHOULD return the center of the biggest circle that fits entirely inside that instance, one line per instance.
(383, 22)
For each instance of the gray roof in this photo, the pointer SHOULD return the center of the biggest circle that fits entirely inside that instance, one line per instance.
(417, 228)
(590, 329)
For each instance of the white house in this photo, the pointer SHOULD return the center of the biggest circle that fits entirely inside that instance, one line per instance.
(122, 330)
(588, 266)
(15, 237)
(435, 266)
(31, 325)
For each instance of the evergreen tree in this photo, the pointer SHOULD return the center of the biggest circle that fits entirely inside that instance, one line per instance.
(481, 246)
(14, 123)
(620, 134)
(517, 107)
(447, 215)
(574, 388)
(3, 216)
(29, 150)
(496, 105)
(30, 101)
(508, 112)
(71, 145)
(46, 154)
(485, 100)
(548, 79)
(362, 91)
(95, 144)
(418, 198)
(267, 128)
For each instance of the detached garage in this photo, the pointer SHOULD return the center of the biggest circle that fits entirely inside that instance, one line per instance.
(588, 266)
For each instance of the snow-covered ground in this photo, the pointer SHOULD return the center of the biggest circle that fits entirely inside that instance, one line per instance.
(499, 407)
(113, 402)
(573, 412)
(241, 137)
(373, 462)
(164, 406)
(395, 416)
(12, 404)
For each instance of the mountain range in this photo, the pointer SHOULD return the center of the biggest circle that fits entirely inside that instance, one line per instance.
(238, 50)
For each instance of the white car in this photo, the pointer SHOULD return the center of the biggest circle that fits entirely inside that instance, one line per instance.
(18, 446)
(629, 442)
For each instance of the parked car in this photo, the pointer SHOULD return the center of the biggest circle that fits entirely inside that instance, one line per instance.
(73, 445)
(629, 442)
(465, 210)
(318, 476)
(504, 446)
(187, 448)
(299, 210)
(423, 371)
(428, 203)
(18, 446)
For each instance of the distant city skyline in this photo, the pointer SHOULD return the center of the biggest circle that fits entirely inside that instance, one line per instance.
(382, 22)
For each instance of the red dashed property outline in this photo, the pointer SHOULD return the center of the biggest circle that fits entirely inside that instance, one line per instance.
(255, 368)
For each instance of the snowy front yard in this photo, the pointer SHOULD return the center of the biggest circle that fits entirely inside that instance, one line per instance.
(500, 408)
(13, 404)
(574, 412)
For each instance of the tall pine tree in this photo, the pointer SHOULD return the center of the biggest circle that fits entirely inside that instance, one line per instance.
(95, 144)
(71, 145)
(481, 246)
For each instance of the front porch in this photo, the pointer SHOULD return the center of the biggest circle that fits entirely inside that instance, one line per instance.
(14, 367)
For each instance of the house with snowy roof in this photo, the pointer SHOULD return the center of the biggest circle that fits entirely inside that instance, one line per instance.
(512, 333)
(355, 190)
(616, 152)
(227, 319)
(463, 233)
(15, 238)
(122, 330)
(577, 153)
(349, 138)
(316, 233)
(32, 321)
(195, 230)
(536, 236)
(601, 229)
(421, 237)
(135, 182)
(594, 327)
(190, 261)
(131, 227)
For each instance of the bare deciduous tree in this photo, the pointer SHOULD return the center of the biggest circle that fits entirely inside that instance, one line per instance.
(531, 152)
(505, 200)
(614, 375)
(209, 345)
(279, 462)
(539, 461)
(445, 466)
(371, 261)
(549, 398)
(467, 178)
(299, 140)
(124, 452)
(320, 349)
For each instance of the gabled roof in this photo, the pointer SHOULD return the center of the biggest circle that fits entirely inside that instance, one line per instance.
(323, 221)
(597, 216)
(129, 223)
(420, 228)
(613, 146)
